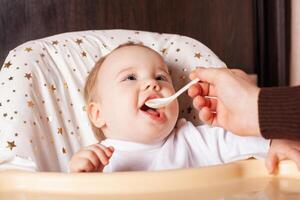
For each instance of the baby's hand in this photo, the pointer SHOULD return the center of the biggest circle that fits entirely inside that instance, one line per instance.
(281, 150)
(91, 159)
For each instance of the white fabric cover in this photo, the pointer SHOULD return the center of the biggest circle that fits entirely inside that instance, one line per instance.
(42, 113)
(187, 146)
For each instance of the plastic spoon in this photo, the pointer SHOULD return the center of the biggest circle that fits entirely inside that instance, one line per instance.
(162, 102)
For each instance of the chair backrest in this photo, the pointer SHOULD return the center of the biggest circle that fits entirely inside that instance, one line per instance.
(42, 109)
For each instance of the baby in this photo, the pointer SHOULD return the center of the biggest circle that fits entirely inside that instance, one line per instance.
(137, 137)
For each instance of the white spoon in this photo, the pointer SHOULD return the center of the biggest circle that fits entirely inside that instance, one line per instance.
(162, 102)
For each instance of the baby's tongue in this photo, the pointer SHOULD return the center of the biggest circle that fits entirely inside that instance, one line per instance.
(152, 112)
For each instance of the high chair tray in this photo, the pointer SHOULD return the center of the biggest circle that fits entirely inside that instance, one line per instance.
(240, 180)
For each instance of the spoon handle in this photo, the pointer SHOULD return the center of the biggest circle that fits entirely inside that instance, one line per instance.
(187, 86)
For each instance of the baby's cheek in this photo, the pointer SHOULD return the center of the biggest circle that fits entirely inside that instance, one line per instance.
(174, 109)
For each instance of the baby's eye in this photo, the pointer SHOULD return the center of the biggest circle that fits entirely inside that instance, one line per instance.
(161, 77)
(130, 77)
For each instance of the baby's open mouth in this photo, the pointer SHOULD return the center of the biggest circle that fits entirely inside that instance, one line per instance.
(151, 111)
(155, 114)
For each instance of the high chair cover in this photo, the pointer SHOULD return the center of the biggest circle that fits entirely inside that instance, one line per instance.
(42, 111)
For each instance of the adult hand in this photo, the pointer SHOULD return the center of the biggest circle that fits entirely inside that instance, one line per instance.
(236, 106)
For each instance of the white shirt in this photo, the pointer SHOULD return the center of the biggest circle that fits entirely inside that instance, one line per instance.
(187, 146)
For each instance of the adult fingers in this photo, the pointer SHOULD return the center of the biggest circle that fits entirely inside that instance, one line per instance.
(271, 162)
(207, 116)
(195, 90)
(294, 155)
(199, 102)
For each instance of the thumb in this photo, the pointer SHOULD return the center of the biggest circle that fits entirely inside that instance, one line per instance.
(272, 162)
(206, 74)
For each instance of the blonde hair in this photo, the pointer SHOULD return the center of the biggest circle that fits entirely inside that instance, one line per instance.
(89, 89)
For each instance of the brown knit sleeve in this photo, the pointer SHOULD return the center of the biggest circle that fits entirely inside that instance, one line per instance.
(279, 112)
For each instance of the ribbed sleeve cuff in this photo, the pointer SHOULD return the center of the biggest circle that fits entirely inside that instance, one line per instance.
(279, 112)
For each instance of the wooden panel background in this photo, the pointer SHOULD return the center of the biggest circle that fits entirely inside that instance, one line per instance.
(225, 26)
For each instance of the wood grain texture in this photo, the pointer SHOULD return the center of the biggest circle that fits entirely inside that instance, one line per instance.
(227, 27)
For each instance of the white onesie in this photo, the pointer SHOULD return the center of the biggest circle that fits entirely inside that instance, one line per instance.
(187, 146)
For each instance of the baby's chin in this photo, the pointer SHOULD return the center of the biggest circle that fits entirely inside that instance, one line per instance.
(153, 135)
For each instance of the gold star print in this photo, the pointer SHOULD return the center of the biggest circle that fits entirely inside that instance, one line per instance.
(7, 65)
(28, 76)
(30, 104)
(64, 150)
(189, 109)
(28, 49)
(55, 42)
(78, 41)
(177, 50)
(60, 131)
(65, 85)
(52, 88)
(83, 54)
(42, 55)
(163, 51)
(11, 145)
(11, 78)
(197, 55)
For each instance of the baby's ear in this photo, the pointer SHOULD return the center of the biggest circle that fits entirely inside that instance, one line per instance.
(93, 111)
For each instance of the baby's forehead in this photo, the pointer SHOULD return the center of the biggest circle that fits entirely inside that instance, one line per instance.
(134, 57)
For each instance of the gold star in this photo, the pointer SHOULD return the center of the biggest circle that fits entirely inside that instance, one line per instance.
(55, 42)
(52, 88)
(163, 51)
(11, 78)
(64, 150)
(5, 115)
(197, 55)
(28, 76)
(42, 55)
(11, 145)
(65, 85)
(28, 49)
(177, 50)
(189, 109)
(83, 54)
(30, 104)
(78, 41)
(7, 65)
(60, 131)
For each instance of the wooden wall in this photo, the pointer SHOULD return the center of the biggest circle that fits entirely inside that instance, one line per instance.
(233, 29)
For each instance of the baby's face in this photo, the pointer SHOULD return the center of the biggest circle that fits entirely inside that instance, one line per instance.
(128, 77)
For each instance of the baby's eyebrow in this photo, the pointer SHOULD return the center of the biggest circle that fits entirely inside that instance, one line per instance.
(162, 69)
(124, 70)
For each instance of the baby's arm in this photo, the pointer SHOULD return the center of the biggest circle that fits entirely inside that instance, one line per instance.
(281, 150)
(91, 159)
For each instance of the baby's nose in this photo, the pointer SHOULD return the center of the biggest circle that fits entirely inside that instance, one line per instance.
(151, 85)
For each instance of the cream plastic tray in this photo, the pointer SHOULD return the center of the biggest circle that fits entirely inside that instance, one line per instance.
(241, 180)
